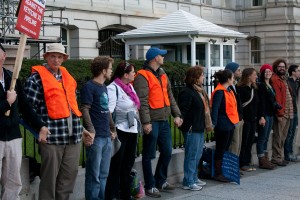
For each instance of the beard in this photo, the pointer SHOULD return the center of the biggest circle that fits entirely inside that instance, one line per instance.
(281, 72)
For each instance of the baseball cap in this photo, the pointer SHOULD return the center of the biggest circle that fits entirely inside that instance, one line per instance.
(153, 52)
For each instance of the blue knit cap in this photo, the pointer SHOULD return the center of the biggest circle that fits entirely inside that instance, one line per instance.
(232, 66)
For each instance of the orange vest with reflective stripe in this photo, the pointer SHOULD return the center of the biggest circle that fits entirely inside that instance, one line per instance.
(230, 103)
(60, 97)
(158, 91)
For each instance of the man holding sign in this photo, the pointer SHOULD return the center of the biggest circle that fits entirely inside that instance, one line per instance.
(10, 135)
(52, 92)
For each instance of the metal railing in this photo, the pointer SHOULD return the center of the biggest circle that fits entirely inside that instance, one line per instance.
(30, 145)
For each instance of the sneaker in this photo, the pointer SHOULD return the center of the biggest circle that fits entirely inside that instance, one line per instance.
(153, 192)
(166, 186)
(193, 187)
(200, 183)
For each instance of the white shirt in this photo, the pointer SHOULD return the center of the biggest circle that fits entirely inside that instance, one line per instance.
(2, 80)
(123, 104)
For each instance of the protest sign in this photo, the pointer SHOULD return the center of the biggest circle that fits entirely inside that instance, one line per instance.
(30, 17)
(230, 167)
(30, 14)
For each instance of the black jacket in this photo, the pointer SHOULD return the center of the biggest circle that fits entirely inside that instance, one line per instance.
(192, 110)
(9, 125)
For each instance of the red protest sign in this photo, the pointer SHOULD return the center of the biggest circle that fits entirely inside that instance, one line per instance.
(30, 17)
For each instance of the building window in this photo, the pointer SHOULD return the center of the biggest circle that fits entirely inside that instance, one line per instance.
(257, 2)
(65, 39)
(215, 55)
(255, 50)
(227, 54)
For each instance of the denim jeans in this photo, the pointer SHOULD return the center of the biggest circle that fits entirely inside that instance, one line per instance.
(289, 141)
(97, 168)
(194, 142)
(263, 136)
(161, 136)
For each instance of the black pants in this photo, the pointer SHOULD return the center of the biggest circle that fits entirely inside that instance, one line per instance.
(223, 141)
(247, 142)
(120, 167)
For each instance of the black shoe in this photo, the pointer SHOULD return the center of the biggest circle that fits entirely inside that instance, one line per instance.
(153, 192)
(165, 186)
(282, 163)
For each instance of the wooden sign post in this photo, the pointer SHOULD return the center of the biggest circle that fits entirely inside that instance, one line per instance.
(30, 15)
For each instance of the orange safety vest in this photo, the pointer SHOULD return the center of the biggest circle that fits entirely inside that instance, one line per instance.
(230, 103)
(60, 97)
(158, 91)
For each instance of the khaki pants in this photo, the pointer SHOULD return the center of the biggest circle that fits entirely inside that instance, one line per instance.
(280, 130)
(235, 146)
(59, 170)
(10, 165)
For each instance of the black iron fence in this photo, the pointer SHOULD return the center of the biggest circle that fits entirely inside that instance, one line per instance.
(30, 147)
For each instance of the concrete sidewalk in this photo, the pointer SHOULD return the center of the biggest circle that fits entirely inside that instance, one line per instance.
(282, 183)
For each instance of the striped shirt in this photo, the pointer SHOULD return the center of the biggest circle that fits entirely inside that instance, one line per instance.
(59, 128)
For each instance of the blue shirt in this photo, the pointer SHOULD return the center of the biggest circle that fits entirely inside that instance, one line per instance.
(95, 95)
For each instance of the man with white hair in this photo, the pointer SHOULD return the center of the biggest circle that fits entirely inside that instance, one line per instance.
(52, 92)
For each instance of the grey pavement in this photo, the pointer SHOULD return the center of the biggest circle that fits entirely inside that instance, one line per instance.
(282, 183)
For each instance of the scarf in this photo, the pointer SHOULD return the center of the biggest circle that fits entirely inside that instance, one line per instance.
(128, 90)
(204, 97)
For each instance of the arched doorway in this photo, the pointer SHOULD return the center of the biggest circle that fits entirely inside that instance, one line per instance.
(108, 46)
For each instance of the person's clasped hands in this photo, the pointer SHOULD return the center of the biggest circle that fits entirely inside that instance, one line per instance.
(88, 137)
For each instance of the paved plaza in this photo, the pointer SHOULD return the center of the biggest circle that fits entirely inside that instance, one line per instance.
(282, 183)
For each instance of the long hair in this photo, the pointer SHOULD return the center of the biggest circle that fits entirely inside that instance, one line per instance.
(246, 73)
(276, 63)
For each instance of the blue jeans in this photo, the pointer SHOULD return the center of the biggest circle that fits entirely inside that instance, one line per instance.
(97, 168)
(194, 142)
(161, 136)
(263, 136)
(289, 141)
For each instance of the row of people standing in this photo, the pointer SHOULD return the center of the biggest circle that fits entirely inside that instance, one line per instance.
(269, 104)
(152, 96)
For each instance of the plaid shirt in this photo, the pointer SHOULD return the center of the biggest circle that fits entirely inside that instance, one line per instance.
(58, 128)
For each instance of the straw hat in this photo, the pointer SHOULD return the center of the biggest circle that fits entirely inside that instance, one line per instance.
(56, 48)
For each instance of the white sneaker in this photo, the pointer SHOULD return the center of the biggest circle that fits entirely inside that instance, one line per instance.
(193, 187)
(200, 183)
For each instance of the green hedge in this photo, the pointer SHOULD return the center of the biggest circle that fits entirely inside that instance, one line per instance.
(80, 69)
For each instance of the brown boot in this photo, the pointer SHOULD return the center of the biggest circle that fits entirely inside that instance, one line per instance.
(265, 164)
(218, 172)
(267, 158)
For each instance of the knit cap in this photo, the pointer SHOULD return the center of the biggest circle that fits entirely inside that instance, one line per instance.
(232, 66)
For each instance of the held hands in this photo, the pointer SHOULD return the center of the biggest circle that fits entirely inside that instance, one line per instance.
(262, 121)
(43, 134)
(88, 138)
(113, 135)
(11, 96)
(147, 128)
(178, 121)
